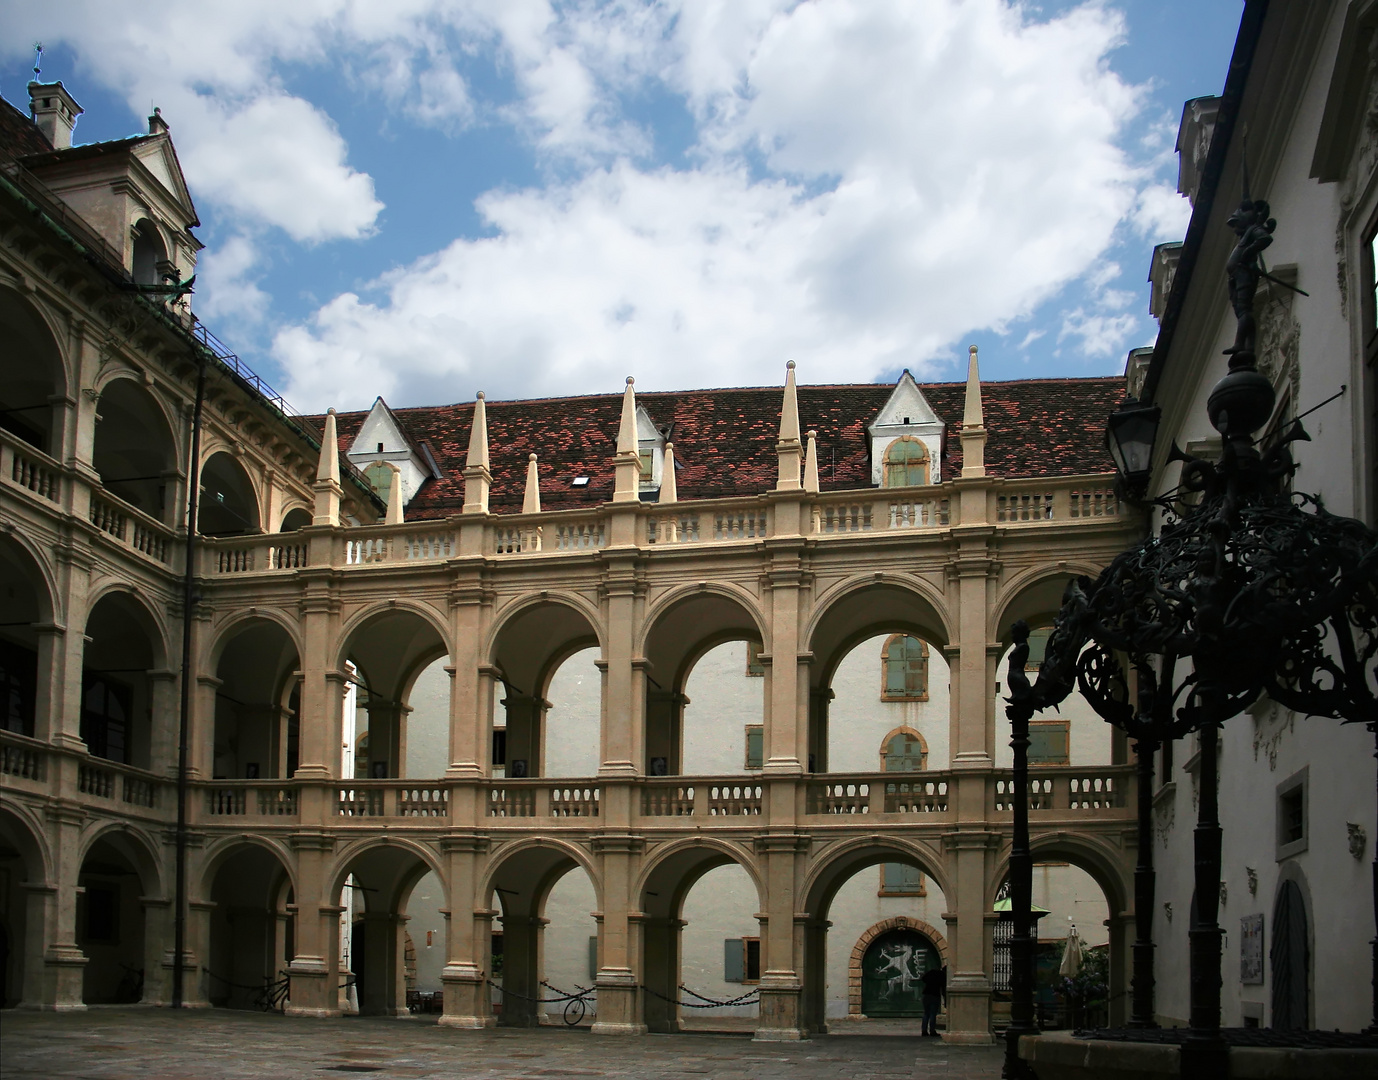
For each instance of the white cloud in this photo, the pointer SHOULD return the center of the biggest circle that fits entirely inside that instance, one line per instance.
(1161, 214)
(871, 179)
(1102, 335)
(225, 284)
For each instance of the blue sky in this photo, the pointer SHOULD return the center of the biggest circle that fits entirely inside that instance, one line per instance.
(435, 196)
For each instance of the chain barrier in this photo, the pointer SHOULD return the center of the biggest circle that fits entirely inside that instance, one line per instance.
(576, 1005)
(751, 997)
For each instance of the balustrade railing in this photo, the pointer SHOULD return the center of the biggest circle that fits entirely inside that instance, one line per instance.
(251, 799)
(839, 797)
(919, 795)
(740, 524)
(25, 762)
(1069, 789)
(733, 799)
(579, 535)
(673, 798)
(92, 780)
(676, 528)
(428, 801)
(574, 801)
(28, 467)
(131, 526)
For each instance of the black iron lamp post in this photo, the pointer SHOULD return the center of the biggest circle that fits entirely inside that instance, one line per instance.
(1246, 588)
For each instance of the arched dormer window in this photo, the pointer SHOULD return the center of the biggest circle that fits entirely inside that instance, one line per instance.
(379, 477)
(904, 750)
(904, 664)
(906, 463)
(148, 253)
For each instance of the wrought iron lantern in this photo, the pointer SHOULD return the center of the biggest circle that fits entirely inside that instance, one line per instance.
(1129, 436)
(1247, 588)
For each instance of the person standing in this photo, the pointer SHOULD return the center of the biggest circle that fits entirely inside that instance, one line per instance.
(934, 995)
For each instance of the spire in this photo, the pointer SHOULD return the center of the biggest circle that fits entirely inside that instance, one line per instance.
(395, 516)
(327, 484)
(628, 461)
(477, 478)
(811, 463)
(668, 491)
(973, 416)
(973, 423)
(788, 448)
(531, 504)
(329, 467)
(478, 434)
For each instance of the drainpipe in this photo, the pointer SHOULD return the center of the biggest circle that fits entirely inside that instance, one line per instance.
(179, 923)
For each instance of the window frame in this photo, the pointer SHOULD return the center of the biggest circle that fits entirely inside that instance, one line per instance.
(1295, 787)
(888, 463)
(903, 729)
(920, 694)
(754, 729)
(1036, 726)
(919, 889)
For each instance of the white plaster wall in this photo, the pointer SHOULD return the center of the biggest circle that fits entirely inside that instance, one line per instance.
(565, 940)
(1089, 738)
(723, 700)
(858, 720)
(423, 917)
(1261, 749)
(428, 724)
(571, 723)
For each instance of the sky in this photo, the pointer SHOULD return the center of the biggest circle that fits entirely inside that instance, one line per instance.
(425, 198)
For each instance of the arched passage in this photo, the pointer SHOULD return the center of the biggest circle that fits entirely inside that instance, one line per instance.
(665, 888)
(228, 505)
(522, 887)
(23, 929)
(256, 703)
(296, 518)
(134, 451)
(1076, 883)
(387, 651)
(149, 253)
(32, 380)
(575, 693)
(123, 709)
(527, 650)
(23, 650)
(685, 635)
(117, 874)
(854, 889)
(851, 641)
(251, 936)
(374, 884)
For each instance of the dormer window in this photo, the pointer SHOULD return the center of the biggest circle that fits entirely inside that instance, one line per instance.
(148, 253)
(648, 463)
(906, 462)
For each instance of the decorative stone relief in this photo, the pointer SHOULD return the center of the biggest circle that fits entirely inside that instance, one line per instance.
(1164, 817)
(1252, 875)
(1272, 724)
(1279, 341)
(1358, 839)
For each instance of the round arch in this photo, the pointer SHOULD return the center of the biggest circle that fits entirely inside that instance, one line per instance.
(839, 862)
(26, 560)
(237, 622)
(540, 856)
(20, 825)
(134, 844)
(873, 606)
(363, 618)
(125, 645)
(735, 594)
(1101, 861)
(1034, 595)
(147, 250)
(222, 850)
(885, 926)
(297, 517)
(135, 451)
(33, 374)
(516, 610)
(398, 860)
(136, 603)
(229, 503)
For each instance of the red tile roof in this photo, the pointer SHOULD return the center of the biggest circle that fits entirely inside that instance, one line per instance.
(725, 439)
(19, 136)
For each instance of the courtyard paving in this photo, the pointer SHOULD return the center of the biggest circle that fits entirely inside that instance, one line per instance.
(131, 1043)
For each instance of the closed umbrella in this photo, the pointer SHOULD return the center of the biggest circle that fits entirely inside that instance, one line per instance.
(1071, 957)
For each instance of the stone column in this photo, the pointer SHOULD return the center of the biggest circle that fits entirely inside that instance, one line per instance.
(660, 969)
(384, 737)
(622, 706)
(468, 933)
(814, 1010)
(470, 678)
(969, 985)
(40, 919)
(383, 959)
(157, 943)
(665, 729)
(312, 969)
(49, 704)
(820, 700)
(63, 962)
(1121, 928)
(67, 677)
(619, 937)
(781, 1011)
(201, 751)
(525, 726)
(163, 696)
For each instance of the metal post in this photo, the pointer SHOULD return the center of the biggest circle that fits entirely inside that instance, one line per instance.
(1022, 1019)
(179, 914)
(1141, 1013)
(1204, 1053)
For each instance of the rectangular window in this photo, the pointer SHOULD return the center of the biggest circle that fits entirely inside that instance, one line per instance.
(1292, 824)
(1038, 647)
(754, 668)
(752, 959)
(755, 746)
(18, 685)
(900, 879)
(648, 458)
(741, 960)
(105, 717)
(499, 746)
(1048, 743)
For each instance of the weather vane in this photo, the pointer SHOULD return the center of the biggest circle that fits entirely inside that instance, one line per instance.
(37, 59)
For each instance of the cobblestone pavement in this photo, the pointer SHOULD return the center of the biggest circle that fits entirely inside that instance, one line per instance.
(153, 1044)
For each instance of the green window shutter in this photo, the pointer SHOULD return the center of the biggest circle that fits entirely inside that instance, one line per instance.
(893, 876)
(755, 748)
(1048, 744)
(593, 958)
(894, 674)
(733, 967)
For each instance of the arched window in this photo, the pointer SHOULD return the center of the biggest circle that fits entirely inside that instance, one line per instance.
(148, 253)
(904, 751)
(906, 463)
(379, 477)
(904, 662)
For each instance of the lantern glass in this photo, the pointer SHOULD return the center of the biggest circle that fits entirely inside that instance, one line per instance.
(1130, 433)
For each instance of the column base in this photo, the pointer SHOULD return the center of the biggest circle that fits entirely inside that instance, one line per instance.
(968, 1038)
(779, 1035)
(315, 1014)
(608, 1028)
(467, 1023)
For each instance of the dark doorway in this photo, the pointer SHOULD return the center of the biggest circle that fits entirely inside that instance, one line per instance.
(1290, 957)
(891, 973)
